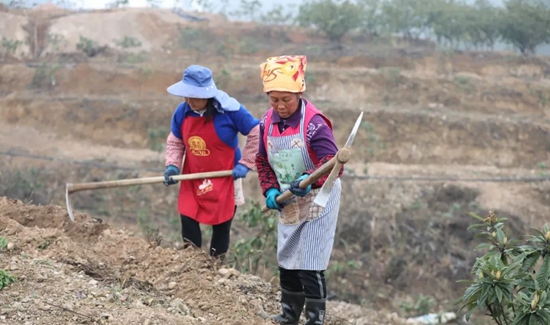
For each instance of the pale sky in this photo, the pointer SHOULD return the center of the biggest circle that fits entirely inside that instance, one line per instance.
(101, 4)
(228, 4)
(231, 4)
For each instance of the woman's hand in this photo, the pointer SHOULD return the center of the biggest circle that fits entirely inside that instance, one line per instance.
(240, 171)
(271, 199)
(170, 171)
(297, 190)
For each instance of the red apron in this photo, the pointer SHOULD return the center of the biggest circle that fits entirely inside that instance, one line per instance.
(208, 201)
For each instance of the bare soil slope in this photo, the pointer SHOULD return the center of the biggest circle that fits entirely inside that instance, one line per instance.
(90, 273)
(444, 133)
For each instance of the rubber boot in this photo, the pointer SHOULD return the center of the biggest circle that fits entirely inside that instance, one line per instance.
(292, 304)
(315, 311)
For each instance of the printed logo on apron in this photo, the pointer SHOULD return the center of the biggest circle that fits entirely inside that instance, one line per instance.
(197, 146)
(288, 164)
(286, 157)
(297, 143)
(208, 201)
(271, 147)
(205, 187)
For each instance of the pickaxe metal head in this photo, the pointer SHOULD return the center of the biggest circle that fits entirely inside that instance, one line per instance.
(69, 206)
(322, 197)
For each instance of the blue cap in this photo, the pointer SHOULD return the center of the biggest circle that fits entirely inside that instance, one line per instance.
(197, 82)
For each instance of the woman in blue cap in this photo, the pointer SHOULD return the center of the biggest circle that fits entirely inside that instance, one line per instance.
(205, 130)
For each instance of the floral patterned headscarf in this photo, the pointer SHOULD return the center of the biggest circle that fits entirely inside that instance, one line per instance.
(284, 73)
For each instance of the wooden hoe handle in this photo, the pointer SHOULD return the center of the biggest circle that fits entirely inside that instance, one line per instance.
(342, 156)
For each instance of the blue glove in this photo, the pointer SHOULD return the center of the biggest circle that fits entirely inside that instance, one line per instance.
(170, 171)
(296, 190)
(240, 171)
(270, 199)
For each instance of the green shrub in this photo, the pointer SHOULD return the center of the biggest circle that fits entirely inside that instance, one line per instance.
(5, 279)
(512, 280)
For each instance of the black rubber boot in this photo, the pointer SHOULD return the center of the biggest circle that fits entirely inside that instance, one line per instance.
(315, 311)
(292, 304)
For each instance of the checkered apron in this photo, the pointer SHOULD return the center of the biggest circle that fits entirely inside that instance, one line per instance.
(305, 230)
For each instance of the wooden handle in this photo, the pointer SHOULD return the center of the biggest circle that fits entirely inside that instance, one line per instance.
(342, 156)
(71, 188)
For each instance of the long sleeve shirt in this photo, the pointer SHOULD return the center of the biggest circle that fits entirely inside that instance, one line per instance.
(227, 126)
(319, 137)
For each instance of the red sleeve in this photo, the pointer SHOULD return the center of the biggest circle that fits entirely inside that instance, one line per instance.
(266, 175)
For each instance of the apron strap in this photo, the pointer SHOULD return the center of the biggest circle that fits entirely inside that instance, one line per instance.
(270, 126)
(303, 120)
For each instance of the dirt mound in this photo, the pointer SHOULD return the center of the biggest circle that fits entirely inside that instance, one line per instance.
(50, 7)
(151, 28)
(88, 272)
(12, 30)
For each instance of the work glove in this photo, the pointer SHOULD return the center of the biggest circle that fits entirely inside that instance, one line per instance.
(170, 171)
(240, 171)
(270, 199)
(295, 187)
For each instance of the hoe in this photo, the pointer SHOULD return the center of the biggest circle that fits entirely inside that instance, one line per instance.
(332, 167)
(71, 188)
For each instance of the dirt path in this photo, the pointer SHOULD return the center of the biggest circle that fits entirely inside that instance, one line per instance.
(496, 186)
(50, 144)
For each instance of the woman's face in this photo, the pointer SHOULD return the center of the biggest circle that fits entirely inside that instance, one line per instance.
(284, 103)
(197, 104)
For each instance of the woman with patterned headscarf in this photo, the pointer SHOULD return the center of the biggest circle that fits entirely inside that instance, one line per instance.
(295, 140)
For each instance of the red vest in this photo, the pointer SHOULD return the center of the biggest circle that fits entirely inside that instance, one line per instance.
(208, 201)
(310, 112)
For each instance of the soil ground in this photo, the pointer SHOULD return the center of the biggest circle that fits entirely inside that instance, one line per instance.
(444, 133)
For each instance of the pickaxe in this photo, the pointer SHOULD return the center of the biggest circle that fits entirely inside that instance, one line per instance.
(71, 188)
(332, 166)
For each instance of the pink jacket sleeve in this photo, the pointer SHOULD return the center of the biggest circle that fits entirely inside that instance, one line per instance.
(251, 148)
(175, 148)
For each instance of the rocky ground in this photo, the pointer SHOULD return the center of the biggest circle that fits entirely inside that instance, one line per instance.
(90, 273)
